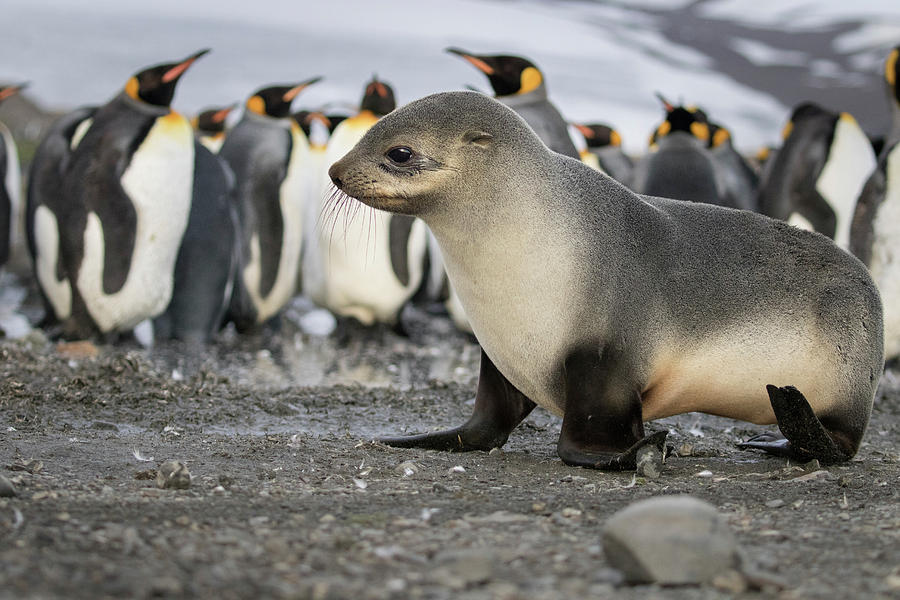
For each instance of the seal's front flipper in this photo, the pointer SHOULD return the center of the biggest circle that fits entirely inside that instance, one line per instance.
(804, 438)
(602, 426)
(613, 461)
(499, 408)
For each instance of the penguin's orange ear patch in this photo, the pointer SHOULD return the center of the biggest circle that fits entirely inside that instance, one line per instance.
(890, 67)
(700, 131)
(131, 88)
(530, 80)
(720, 137)
(788, 128)
(257, 105)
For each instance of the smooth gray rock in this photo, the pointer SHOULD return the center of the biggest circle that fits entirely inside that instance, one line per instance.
(670, 540)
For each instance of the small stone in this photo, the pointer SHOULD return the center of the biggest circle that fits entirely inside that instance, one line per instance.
(407, 468)
(844, 516)
(457, 469)
(670, 540)
(173, 474)
(705, 474)
(685, 449)
(539, 507)
(7, 489)
(776, 503)
(649, 462)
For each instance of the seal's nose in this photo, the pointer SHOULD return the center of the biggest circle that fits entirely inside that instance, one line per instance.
(334, 173)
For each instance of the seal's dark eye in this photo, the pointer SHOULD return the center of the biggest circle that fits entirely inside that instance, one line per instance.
(400, 154)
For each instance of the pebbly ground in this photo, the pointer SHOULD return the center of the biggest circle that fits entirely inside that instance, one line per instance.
(290, 498)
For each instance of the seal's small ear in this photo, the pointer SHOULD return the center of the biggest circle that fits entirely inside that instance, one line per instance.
(479, 138)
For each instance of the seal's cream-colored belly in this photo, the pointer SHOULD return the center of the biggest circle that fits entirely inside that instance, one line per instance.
(727, 375)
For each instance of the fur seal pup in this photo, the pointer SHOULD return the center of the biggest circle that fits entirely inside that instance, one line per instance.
(611, 308)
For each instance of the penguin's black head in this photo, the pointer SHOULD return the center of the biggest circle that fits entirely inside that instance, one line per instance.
(303, 119)
(11, 90)
(892, 73)
(212, 121)
(599, 136)
(378, 98)
(156, 85)
(508, 75)
(275, 101)
(689, 119)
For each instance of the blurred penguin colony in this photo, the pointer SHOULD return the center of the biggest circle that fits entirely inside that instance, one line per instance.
(134, 213)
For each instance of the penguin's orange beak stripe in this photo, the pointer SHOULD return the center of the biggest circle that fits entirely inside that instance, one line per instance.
(179, 69)
(221, 115)
(292, 93)
(587, 132)
(477, 62)
(10, 91)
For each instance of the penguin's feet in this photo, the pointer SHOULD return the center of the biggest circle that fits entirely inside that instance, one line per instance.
(611, 461)
(803, 435)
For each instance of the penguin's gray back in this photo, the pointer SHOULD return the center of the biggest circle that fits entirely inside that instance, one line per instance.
(544, 118)
(45, 205)
(680, 168)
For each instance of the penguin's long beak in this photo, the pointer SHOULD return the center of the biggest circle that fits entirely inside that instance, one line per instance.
(666, 104)
(477, 61)
(11, 90)
(220, 115)
(292, 93)
(179, 69)
(587, 132)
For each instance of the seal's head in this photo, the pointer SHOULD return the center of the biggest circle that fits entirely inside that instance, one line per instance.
(435, 151)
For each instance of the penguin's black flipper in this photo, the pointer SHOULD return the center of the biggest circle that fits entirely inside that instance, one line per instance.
(804, 436)
(862, 228)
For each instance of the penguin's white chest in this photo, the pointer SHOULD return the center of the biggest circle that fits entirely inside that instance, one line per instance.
(290, 202)
(13, 181)
(347, 265)
(159, 181)
(850, 162)
(885, 262)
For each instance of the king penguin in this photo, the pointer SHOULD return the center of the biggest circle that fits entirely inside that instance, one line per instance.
(209, 126)
(360, 262)
(268, 153)
(815, 178)
(108, 205)
(520, 85)
(679, 164)
(605, 143)
(875, 232)
(10, 182)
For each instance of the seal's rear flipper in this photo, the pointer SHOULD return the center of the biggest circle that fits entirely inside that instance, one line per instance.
(804, 436)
